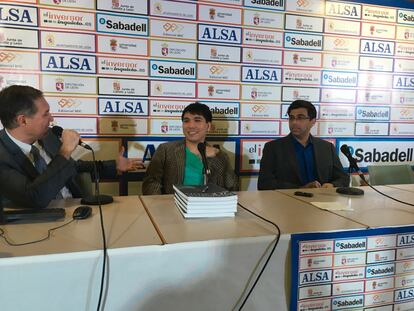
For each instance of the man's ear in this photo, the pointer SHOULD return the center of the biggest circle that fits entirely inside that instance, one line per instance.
(208, 126)
(21, 120)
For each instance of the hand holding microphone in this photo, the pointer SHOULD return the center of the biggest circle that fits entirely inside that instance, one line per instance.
(70, 140)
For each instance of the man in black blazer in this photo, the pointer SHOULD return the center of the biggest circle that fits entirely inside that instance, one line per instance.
(300, 160)
(25, 115)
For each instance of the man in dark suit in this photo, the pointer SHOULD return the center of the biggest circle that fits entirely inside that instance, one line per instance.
(300, 160)
(35, 165)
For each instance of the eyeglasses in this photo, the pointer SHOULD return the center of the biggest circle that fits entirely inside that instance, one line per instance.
(300, 117)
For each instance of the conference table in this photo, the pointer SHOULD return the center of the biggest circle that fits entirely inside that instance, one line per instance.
(145, 272)
(63, 272)
(407, 187)
(157, 260)
(371, 209)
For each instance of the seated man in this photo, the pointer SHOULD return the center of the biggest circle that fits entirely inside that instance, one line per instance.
(179, 162)
(300, 160)
(35, 165)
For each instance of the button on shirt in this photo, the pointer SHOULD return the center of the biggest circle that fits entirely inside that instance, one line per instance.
(26, 148)
(306, 161)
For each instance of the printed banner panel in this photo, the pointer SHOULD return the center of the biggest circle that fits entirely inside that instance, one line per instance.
(358, 270)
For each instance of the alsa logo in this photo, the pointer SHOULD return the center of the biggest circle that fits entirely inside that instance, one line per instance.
(68, 63)
(404, 294)
(219, 34)
(406, 239)
(123, 106)
(262, 74)
(341, 9)
(403, 82)
(377, 47)
(16, 15)
(315, 277)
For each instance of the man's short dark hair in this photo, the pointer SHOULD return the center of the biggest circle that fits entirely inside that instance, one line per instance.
(303, 104)
(16, 100)
(200, 109)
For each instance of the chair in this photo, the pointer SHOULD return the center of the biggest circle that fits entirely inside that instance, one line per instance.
(84, 181)
(390, 174)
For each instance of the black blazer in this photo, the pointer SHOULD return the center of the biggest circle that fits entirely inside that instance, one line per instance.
(24, 186)
(279, 168)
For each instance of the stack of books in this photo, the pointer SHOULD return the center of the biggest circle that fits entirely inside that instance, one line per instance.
(205, 201)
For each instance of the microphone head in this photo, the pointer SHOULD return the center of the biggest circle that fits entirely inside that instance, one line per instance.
(57, 130)
(201, 147)
(345, 150)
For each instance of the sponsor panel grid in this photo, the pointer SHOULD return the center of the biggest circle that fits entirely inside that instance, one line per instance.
(247, 60)
(369, 269)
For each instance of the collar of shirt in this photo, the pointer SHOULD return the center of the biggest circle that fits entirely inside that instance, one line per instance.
(297, 143)
(26, 148)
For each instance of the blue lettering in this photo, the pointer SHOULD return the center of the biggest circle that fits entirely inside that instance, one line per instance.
(61, 62)
(148, 153)
(13, 15)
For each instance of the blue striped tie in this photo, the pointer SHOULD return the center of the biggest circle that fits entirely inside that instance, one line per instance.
(39, 162)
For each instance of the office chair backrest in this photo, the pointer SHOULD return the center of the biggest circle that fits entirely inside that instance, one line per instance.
(390, 174)
(84, 180)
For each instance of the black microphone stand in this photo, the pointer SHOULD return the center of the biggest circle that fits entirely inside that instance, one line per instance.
(97, 198)
(206, 173)
(206, 170)
(350, 190)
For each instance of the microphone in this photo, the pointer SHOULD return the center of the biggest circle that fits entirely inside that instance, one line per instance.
(57, 130)
(352, 162)
(352, 165)
(202, 149)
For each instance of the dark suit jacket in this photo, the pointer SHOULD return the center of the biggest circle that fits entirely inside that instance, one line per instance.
(279, 168)
(25, 187)
(168, 164)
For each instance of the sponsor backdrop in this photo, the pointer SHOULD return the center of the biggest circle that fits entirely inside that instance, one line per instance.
(122, 70)
(354, 270)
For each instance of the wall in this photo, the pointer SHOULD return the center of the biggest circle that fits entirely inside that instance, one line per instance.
(120, 72)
